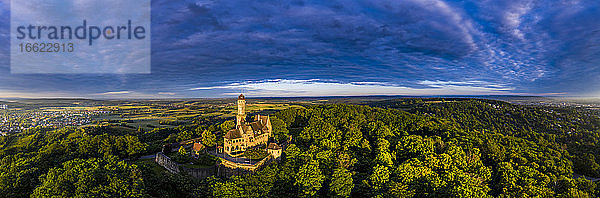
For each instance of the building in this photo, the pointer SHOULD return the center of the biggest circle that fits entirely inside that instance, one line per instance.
(246, 134)
(3, 106)
(198, 149)
(274, 150)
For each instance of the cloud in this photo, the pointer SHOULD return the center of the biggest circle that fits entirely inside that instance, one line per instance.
(315, 87)
(21, 94)
(115, 93)
(473, 83)
(131, 94)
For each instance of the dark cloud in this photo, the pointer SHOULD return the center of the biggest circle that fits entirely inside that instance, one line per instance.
(531, 46)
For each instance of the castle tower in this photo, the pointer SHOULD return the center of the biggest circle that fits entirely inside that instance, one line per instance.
(241, 113)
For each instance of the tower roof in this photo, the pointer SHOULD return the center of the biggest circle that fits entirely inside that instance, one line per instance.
(241, 97)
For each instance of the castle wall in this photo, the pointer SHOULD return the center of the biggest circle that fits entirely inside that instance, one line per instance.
(201, 173)
(166, 162)
(227, 168)
(247, 167)
(235, 145)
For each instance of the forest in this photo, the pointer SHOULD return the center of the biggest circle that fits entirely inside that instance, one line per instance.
(391, 148)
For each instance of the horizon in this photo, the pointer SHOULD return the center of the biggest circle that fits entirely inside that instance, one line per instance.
(300, 97)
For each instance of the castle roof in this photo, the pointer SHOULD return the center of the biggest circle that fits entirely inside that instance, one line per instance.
(256, 126)
(273, 146)
(233, 134)
(241, 97)
(263, 119)
(246, 129)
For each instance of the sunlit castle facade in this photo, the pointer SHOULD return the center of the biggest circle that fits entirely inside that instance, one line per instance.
(246, 134)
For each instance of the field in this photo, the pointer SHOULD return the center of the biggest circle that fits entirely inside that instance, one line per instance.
(150, 116)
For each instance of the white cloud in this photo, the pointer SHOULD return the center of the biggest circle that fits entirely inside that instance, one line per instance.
(284, 88)
(115, 93)
(17, 94)
(512, 18)
(473, 83)
(131, 95)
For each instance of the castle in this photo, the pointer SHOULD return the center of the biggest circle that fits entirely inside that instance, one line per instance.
(246, 134)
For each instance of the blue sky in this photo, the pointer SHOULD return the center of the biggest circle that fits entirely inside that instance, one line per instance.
(315, 48)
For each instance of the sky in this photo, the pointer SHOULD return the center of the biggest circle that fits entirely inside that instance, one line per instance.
(346, 48)
(88, 55)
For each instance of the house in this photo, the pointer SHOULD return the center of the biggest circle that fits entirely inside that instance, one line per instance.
(198, 148)
(274, 150)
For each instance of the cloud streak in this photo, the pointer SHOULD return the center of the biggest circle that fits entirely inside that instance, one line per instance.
(315, 87)
(114, 93)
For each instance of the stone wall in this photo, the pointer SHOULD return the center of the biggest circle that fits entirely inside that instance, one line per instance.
(248, 167)
(225, 168)
(166, 162)
(201, 173)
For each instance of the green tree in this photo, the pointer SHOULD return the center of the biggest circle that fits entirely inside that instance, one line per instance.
(185, 135)
(384, 157)
(280, 130)
(208, 138)
(182, 151)
(379, 177)
(341, 183)
(309, 179)
(134, 147)
(92, 178)
(227, 125)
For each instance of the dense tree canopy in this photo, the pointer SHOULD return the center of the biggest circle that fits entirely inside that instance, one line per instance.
(104, 177)
(455, 149)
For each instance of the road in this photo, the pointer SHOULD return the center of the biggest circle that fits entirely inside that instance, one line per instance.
(575, 176)
(148, 156)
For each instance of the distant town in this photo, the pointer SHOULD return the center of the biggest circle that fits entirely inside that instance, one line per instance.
(18, 120)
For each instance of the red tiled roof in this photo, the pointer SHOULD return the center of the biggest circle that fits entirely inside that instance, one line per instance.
(198, 146)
